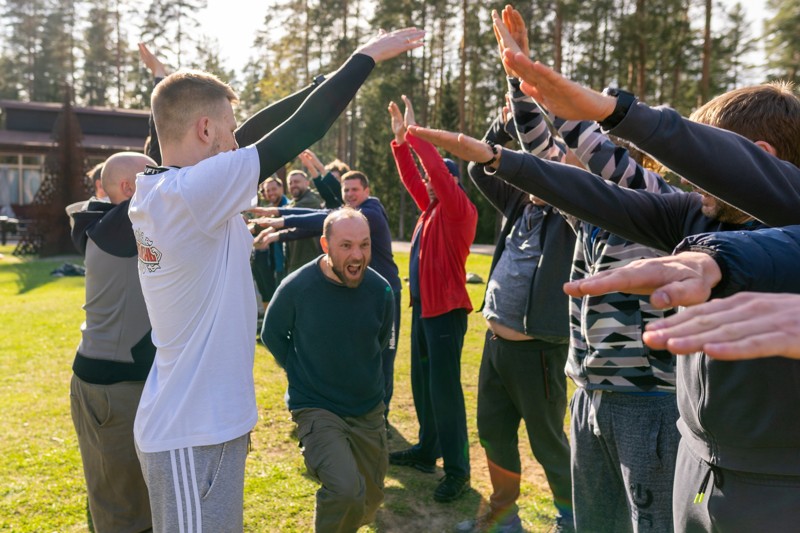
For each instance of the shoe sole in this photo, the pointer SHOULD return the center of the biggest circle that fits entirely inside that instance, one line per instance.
(428, 469)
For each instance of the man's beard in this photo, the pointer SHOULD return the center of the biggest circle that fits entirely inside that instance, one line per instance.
(349, 282)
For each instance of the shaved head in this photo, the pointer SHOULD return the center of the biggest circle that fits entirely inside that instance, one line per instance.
(119, 174)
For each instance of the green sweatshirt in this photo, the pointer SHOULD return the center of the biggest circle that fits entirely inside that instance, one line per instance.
(329, 339)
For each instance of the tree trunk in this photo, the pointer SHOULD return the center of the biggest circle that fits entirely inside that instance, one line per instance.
(557, 36)
(641, 46)
(705, 80)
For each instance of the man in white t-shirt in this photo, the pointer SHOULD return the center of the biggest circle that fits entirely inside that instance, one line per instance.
(198, 405)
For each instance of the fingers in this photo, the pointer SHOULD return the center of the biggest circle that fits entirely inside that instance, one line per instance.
(761, 345)
(743, 326)
(618, 280)
(738, 329)
(505, 37)
(688, 292)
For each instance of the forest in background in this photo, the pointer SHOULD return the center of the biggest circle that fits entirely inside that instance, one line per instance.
(675, 52)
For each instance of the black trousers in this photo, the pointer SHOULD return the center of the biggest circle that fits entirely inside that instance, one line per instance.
(524, 380)
(436, 344)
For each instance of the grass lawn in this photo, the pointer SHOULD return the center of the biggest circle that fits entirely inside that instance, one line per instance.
(41, 480)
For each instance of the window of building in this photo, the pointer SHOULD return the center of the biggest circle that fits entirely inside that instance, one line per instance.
(20, 178)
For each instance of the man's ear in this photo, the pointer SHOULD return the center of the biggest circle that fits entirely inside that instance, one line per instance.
(127, 188)
(324, 243)
(767, 147)
(203, 129)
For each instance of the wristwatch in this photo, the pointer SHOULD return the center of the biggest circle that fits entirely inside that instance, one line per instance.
(624, 102)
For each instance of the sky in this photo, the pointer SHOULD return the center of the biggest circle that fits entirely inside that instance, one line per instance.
(246, 16)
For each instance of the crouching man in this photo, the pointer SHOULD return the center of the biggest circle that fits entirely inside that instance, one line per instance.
(327, 325)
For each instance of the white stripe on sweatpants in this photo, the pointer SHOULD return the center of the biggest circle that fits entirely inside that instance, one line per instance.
(184, 503)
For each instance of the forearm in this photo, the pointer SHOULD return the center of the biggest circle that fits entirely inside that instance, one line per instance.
(409, 174)
(296, 234)
(270, 117)
(309, 222)
(283, 211)
(330, 190)
(452, 198)
(638, 216)
(275, 334)
(153, 147)
(317, 114)
(532, 129)
(721, 162)
(602, 157)
(497, 191)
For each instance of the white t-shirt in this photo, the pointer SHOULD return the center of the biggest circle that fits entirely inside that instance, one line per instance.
(194, 266)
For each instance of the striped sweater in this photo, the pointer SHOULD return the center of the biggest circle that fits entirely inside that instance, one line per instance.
(606, 347)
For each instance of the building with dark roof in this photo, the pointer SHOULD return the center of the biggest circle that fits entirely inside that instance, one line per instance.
(26, 138)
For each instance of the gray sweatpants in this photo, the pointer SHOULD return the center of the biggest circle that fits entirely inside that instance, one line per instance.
(622, 477)
(197, 489)
(734, 501)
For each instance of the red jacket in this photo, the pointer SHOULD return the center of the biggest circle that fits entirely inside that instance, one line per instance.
(448, 228)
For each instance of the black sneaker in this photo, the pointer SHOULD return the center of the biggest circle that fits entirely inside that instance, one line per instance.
(410, 457)
(450, 488)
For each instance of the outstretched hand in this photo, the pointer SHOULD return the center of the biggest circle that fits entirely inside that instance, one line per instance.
(265, 238)
(675, 280)
(505, 39)
(462, 146)
(408, 116)
(268, 222)
(398, 124)
(153, 64)
(264, 211)
(563, 97)
(309, 160)
(746, 325)
(388, 45)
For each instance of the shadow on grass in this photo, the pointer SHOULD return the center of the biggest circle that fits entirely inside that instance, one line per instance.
(409, 503)
(32, 274)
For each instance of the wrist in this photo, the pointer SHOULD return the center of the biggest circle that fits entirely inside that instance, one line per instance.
(495, 159)
(615, 105)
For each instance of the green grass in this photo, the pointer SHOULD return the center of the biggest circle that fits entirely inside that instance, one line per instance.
(41, 480)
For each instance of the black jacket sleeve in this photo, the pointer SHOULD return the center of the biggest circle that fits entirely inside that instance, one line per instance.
(721, 162)
(270, 117)
(656, 220)
(766, 260)
(499, 193)
(316, 115)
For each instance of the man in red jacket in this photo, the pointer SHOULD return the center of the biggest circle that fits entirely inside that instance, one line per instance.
(440, 303)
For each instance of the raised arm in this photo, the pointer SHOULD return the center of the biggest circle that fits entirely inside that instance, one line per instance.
(404, 159)
(706, 156)
(318, 112)
(159, 72)
(656, 220)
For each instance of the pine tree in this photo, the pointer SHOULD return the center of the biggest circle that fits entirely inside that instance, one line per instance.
(783, 39)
